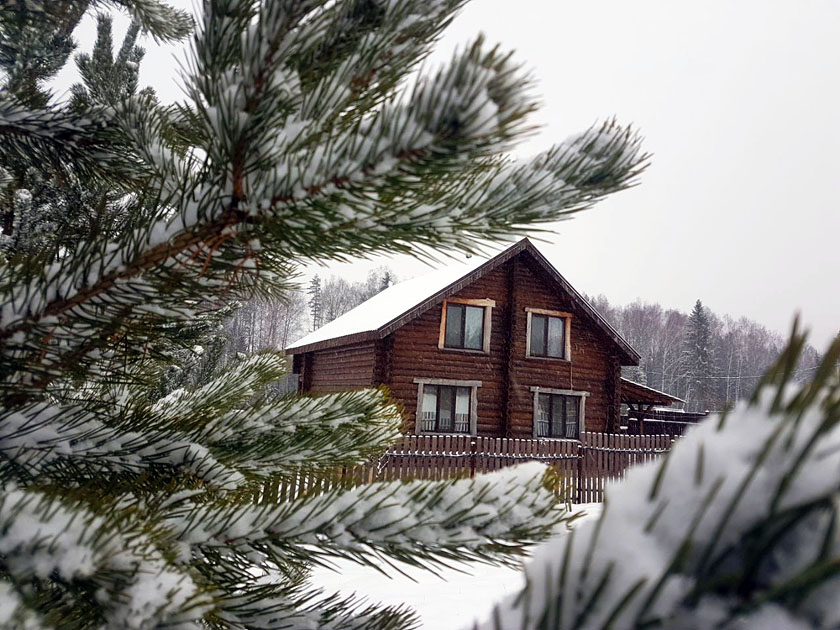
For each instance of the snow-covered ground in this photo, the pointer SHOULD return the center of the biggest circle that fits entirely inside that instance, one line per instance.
(449, 602)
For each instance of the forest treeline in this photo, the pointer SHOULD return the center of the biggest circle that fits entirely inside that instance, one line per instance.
(709, 360)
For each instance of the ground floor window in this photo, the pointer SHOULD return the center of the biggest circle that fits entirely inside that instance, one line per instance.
(558, 413)
(446, 409)
(446, 406)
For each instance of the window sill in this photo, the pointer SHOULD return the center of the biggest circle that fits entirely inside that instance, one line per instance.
(464, 351)
(443, 433)
(557, 439)
(553, 359)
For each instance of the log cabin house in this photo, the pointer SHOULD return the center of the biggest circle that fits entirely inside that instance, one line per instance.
(504, 347)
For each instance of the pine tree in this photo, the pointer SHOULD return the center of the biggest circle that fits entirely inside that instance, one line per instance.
(697, 359)
(48, 211)
(736, 528)
(316, 308)
(297, 142)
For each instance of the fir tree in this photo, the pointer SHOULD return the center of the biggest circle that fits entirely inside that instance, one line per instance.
(296, 143)
(697, 359)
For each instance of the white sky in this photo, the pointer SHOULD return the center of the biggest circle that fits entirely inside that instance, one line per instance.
(739, 102)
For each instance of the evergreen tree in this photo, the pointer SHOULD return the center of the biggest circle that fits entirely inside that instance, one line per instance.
(316, 308)
(48, 209)
(697, 359)
(119, 509)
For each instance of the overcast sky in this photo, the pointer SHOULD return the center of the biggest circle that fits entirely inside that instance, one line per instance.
(739, 103)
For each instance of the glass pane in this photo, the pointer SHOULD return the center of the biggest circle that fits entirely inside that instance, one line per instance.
(572, 407)
(474, 332)
(538, 335)
(462, 410)
(446, 408)
(543, 414)
(556, 341)
(428, 409)
(557, 416)
(454, 315)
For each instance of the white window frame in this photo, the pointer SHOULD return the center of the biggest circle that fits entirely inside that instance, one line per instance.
(487, 304)
(473, 385)
(583, 395)
(567, 320)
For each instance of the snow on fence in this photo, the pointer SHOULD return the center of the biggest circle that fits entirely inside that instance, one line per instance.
(583, 466)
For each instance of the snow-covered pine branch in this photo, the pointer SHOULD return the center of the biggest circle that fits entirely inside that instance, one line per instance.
(157, 18)
(736, 528)
(417, 522)
(301, 139)
(52, 546)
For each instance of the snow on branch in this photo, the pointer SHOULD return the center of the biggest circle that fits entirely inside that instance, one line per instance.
(49, 545)
(235, 387)
(486, 518)
(736, 528)
(52, 136)
(306, 433)
(161, 21)
(44, 440)
(267, 605)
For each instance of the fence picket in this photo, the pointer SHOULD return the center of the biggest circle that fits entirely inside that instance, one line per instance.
(584, 466)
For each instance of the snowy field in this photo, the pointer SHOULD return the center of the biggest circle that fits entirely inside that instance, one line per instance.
(449, 602)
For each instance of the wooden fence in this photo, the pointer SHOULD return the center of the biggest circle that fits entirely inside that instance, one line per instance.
(584, 466)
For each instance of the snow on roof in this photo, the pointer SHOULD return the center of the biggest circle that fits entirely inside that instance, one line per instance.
(651, 389)
(391, 303)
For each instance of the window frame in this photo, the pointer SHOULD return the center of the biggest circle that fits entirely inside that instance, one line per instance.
(445, 382)
(567, 333)
(582, 395)
(487, 305)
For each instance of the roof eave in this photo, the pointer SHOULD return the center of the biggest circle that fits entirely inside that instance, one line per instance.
(334, 342)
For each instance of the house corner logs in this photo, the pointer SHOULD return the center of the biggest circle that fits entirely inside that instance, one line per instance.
(614, 396)
(383, 366)
(511, 330)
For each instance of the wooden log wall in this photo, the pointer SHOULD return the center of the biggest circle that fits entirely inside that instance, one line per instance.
(416, 355)
(584, 467)
(504, 400)
(590, 368)
(342, 368)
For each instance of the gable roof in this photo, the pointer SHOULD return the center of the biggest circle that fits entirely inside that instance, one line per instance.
(397, 305)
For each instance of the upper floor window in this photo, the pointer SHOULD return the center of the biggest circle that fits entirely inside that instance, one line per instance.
(466, 325)
(548, 334)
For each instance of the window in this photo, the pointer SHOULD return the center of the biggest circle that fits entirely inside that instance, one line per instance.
(446, 406)
(557, 416)
(445, 409)
(465, 325)
(548, 334)
(558, 413)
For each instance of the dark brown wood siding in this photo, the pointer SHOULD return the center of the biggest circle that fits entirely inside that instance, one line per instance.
(590, 368)
(343, 368)
(505, 408)
(505, 400)
(416, 355)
